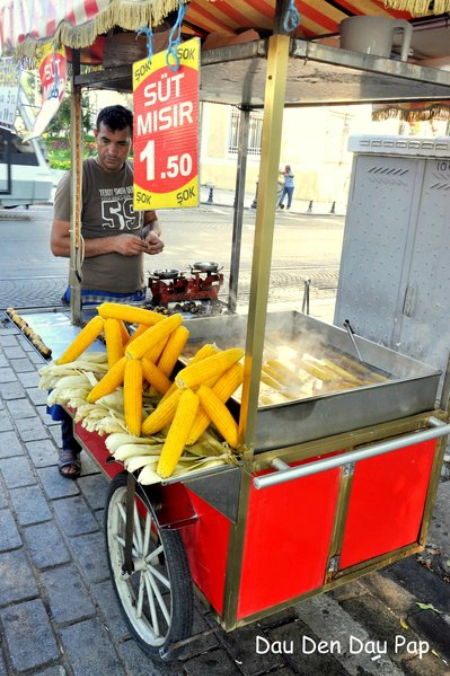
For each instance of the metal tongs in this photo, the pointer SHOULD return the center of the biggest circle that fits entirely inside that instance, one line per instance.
(351, 333)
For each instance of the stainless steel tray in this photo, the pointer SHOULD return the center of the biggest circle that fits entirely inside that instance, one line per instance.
(412, 390)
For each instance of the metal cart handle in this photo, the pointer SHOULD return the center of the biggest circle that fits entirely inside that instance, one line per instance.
(285, 473)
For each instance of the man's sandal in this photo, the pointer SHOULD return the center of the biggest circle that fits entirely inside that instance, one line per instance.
(69, 459)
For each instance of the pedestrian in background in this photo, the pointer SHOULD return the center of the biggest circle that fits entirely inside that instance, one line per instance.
(288, 188)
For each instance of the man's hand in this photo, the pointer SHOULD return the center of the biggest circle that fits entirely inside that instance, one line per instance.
(154, 244)
(129, 245)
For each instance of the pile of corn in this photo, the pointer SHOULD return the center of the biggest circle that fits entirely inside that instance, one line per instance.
(185, 408)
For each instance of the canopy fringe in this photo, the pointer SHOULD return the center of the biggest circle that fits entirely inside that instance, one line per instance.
(419, 7)
(126, 15)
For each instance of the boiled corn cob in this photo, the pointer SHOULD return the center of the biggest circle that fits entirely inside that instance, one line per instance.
(178, 433)
(224, 388)
(154, 335)
(155, 376)
(111, 381)
(128, 313)
(113, 339)
(162, 415)
(196, 373)
(175, 344)
(219, 415)
(86, 336)
(132, 392)
(207, 350)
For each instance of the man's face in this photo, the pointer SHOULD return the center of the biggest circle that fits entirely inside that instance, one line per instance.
(112, 147)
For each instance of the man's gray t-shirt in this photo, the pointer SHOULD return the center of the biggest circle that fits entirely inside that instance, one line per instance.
(107, 211)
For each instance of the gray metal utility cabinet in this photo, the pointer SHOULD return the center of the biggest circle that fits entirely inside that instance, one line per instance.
(394, 281)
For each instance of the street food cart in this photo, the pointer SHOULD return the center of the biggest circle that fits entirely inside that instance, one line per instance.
(325, 488)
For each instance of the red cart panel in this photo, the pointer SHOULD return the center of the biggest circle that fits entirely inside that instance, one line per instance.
(387, 502)
(287, 540)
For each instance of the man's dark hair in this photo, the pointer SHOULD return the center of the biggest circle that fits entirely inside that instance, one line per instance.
(115, 118)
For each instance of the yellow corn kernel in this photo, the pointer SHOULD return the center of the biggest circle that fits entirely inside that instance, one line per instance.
(86, 336)
(224, 388)
(178, 433)
(206, 350)
(199, 372)
(153, 336)
(155, 376)
(113, 338)
(110, 381)
(155, 353)
(162, 415)
(124, 332)
(132, 396)
(175, 344)
(128, 313)
(138, 332)
(219, 415)
(269, 381)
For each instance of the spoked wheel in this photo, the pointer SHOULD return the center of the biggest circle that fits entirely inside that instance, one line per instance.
(157, 598)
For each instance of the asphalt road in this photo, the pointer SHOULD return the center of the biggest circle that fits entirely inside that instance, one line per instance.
(304, 246)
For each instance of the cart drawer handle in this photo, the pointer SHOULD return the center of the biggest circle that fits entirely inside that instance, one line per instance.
(285, 473)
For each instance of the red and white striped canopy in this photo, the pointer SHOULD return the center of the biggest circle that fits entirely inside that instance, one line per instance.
(76, 23)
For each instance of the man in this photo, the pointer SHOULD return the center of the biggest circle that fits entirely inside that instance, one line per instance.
(288, 188)
(114, 237)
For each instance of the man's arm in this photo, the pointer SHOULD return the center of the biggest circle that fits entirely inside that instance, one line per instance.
(151, 233)
(127, 245)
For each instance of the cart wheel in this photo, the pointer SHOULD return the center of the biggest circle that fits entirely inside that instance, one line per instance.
(157, 598)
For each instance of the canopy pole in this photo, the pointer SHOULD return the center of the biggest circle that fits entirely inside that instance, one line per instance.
(238, 214)
(75, 200)
(274, 98)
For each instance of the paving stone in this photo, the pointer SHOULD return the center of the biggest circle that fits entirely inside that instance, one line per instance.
(10, 445)
(37, 396)
(46, 545)
(215, 662)
(75, 516)
(329, 622)
(6, 423)
(10, 538)
(17, 472)
(90, 650)
(20, 408)
(434, 628)
(105, 598)
(31, 428)
(43, 453)
(55, 485)
(13, 352)
(139, 664)
(90, 553)
(421, 582)
(347, 591)
(36, 358)
(30, 379)
(11, 390)
(395, 597)
(51, 671)
(3, 671)
(30, 505)
(90, 467)
(22, 365)
(429, 664)
(9, 340)
(29, 635)
(7, 375)
(68, 597)
(277, 619)
(297, 644)
(3, 495)
(16, 577)
(94, 489)
(240, 644)
(202, 643)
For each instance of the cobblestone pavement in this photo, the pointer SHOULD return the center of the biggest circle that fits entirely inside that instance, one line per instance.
(58, 615)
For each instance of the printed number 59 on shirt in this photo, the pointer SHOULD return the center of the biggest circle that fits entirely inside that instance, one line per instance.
(165, 135)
